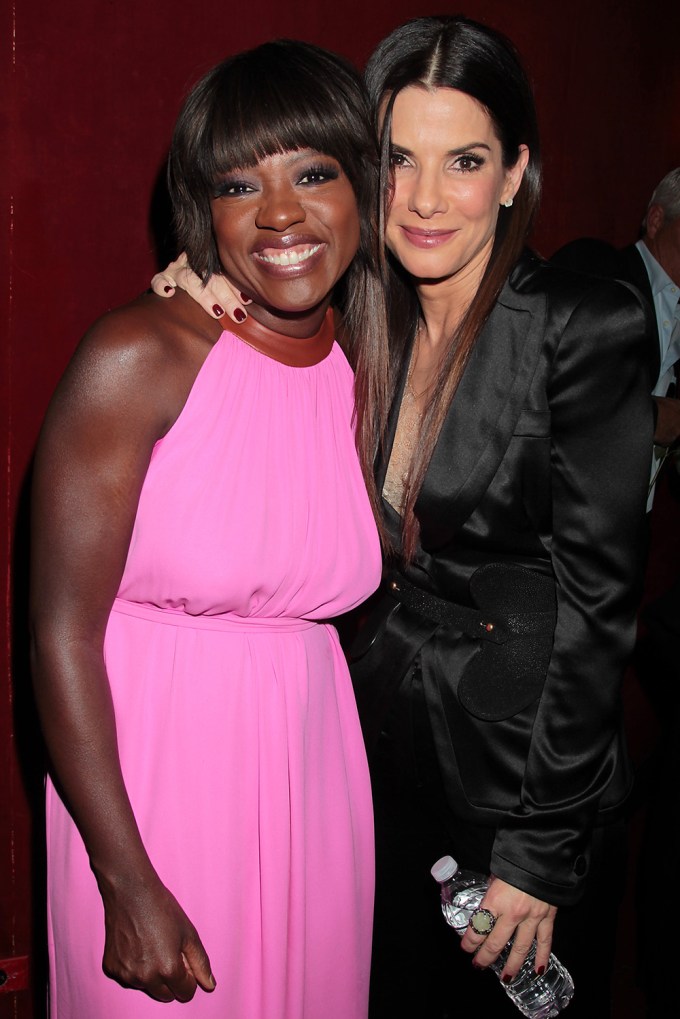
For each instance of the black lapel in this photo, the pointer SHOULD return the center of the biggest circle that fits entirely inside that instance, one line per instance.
(480, 423)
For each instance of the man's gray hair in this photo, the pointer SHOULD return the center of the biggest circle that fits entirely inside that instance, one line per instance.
(667, 195)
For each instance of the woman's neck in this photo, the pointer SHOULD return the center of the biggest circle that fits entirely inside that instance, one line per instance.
(443, 305)
(297, 352)
(444, 302)
(297, 325)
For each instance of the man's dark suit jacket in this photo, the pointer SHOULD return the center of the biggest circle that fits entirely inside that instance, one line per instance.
(534, 500)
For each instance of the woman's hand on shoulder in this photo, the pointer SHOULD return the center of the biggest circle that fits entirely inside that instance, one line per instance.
(151, 945)
(519, 916)
(217, 297)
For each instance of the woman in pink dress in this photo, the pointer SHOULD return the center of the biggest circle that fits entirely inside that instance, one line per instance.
(200, 510)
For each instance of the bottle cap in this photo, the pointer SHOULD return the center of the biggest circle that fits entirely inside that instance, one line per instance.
(444, 869)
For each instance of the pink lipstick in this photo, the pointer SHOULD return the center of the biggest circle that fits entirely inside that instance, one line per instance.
(426, 239)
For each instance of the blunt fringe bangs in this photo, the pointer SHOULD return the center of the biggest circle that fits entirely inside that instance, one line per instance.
(277, 98)
(281, 96)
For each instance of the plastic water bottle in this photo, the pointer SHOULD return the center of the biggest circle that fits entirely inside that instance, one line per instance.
(538, 997)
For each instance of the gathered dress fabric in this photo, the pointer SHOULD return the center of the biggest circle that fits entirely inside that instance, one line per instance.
(238, 733)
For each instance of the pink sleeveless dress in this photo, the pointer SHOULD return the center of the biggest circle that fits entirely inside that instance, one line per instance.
(238, 732)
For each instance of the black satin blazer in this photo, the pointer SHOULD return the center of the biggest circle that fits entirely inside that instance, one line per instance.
(534, 500)
(599, 258)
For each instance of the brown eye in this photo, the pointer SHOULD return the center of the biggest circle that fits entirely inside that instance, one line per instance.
(468, 163)
(231, 187)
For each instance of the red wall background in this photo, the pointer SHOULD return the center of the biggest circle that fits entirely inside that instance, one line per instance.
(90, 92)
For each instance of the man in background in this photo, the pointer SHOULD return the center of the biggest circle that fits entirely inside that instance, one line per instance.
(653, 266)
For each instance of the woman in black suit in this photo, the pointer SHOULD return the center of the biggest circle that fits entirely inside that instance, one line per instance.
(514, 474)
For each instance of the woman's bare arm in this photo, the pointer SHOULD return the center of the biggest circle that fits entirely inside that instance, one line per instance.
(118, 396)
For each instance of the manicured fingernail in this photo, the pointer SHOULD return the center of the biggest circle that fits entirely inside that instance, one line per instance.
(245, 298)
(213, 982)
(540, 971)
(217, 311)
(167, 289)
(239, 315)
(475, 965)
(507, 979)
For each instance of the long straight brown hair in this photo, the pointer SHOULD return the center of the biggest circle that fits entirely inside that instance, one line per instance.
(457, 53)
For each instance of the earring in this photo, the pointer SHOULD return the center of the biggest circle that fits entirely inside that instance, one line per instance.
(508, 203)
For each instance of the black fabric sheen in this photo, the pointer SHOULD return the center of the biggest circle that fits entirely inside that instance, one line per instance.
(599, 258)
(542, 464)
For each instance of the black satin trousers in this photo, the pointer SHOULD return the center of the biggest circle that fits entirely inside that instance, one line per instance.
(419, 970)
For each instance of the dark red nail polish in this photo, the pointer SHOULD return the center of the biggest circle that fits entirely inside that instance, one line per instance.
(239, 315)
(167, 289)
(540, 971)
(507, 979)
(244, 297)
(217, 310)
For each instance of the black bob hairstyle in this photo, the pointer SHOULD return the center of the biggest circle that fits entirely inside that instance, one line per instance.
(279, 97)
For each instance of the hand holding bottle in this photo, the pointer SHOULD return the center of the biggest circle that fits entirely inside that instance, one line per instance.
(519, 917)
(539, 990)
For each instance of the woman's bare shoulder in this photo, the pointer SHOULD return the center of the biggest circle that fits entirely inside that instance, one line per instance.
(134, 368)
(148, 352)
(149, 334)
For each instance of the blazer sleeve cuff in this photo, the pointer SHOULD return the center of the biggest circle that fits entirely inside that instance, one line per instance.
(559, 890)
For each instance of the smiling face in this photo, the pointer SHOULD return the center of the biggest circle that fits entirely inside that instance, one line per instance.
(449, 182)
(286, 230)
